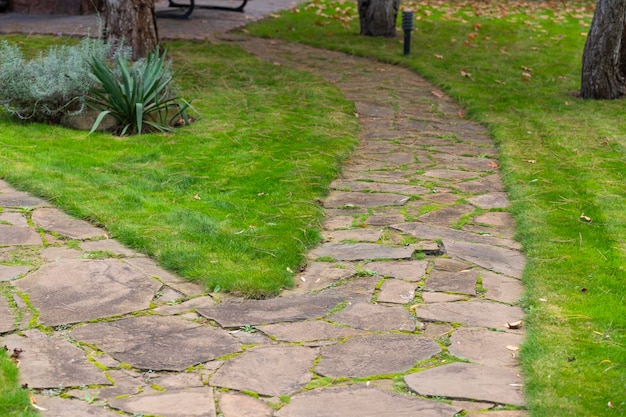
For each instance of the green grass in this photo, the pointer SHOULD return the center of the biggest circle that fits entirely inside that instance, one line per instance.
(515, 66)
(14, 401)
(229, 201)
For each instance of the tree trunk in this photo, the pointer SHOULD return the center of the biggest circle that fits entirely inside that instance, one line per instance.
(378, 17)
(133, 24)
(604, 56)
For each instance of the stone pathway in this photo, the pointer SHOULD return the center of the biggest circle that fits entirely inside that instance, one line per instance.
(408, 308)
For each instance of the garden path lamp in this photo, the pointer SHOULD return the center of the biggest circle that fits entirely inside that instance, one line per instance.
(407, 26)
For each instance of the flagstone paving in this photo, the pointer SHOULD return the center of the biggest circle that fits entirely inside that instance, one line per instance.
(414, 290)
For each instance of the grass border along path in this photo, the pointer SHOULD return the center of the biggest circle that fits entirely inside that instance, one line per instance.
(515, 66)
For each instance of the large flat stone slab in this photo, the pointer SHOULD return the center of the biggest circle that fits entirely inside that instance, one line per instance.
(19, 236)
(57, 406)
(240, 405)
(15, 218)
(307, 331)
(348, 199)
(463, 282)
(446, 216)
(273, 310)
(486, 347)
(150, 267)
(486, 184)
(7, 320)
(7, 273)
(428, 232)
(405, 270)
(396, 291)
(355, 235)
(471, 313)
(192, 402)
(375, 317)
(502, 288)
(158, 343)
(51, 361)
(490, 200)
(318, 275)
(383, 187)
(470, 382)
(359, 401)
(505, 261)
(360, 251)
(267, 370)
(12, 198)
(54, 220)
(76, 290)
(380, 354)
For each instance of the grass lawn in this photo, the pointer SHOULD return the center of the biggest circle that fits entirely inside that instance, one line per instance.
(14, 402)
(515, 67)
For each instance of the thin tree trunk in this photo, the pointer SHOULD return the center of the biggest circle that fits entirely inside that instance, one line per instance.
(378, 17)
(604, 60)
(133, 24)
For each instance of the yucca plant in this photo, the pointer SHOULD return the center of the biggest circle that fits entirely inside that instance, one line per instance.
(138, 97)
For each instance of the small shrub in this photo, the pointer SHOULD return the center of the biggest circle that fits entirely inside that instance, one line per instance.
(138, 96)
(50, 86)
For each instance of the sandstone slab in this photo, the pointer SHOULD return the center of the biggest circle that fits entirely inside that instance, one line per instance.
(450, 174)
(19, 236)
(51, 361)
(434, 330)
(498, 219)
(471, 313)
(469, 381)
(267, 370)
(75, 290)
(12, 198)
(437, 297)
(240, 405)
(375, 317)
(318, 275)
(8, 273)
(108, 245)
(486, 184)
(405, 270)
(359, 401)
(429, 232)
(446, 216)
(396, 292)
(356, 235)
(15, 218)
(158, 343)
(502, 288)
(337, 222)
(360, 251)
(347, 199)
(485, 347)
(384, 187)
(503, 260)
(6, 316)
(379, 354)
(192, 402)
(54, 220)
(490, 200)
(149, 267)
(384, 220)
(57, 406)
(307, 331)
(463, 282)
(274, 310)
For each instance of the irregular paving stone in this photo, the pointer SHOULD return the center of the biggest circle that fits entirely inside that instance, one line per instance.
(396, 291)
(469, 381)
(406, 270)
(434, 330)
(158, 343)
(338, 222)
(482, 185)
(471, 313)
(357, 289)
(240, 405)
(357, 235)
(502, 288)
(360, 251)
(386, 220)
(12, 198)
(501, 413)
(503, 260)
(179, 381)
(405, 189)
(485, 347)
(54, 254)
(51, 361)
(359, 401)
(394, 177)
(19, 236)
(97, 288)
(192, 402)
(305, 331)
(57, 406)
(379, 354)
(498, 219)
(443, 198)
(54, 220)
(123, 384)
(185, 306)
(473, 405)
(15, 218)
(450, 265)
(108, 245)
(342, 199)
(149, 267)
(463, 162)
(437, 297)
(274, 310)
(490, 200)
(7, 320)
(267, 370)
(446, 216)
(450, 174)
(374, 317)
(463, 282)
(424, 231)
(321, 274)
(7, 273)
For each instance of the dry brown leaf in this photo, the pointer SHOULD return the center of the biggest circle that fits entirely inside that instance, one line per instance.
(513, 348)
(438, 56)
(514, 325)
(531, 161)
(437, 94)
(585, 218)
(492, 164)
(196, 197)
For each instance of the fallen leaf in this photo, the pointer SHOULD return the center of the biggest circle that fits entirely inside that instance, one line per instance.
(466, 74)
(196, 197)
(514, 325)
(610, 405)
(531, 161)
(585, 218)
(437, 94)
(438, 56)
(461, 114)
(513, 348)
(492, 164)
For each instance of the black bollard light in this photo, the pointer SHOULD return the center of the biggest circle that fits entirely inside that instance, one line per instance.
(407, 26)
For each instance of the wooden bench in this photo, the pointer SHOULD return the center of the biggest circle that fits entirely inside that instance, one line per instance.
(185, 9)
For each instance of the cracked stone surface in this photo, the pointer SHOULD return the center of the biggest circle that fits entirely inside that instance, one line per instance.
(146, 328)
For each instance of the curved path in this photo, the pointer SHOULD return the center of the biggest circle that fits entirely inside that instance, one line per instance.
(413, 291)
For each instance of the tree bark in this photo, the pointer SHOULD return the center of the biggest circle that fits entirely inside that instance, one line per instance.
(604, 57)
(378, 17)
(133, 24)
